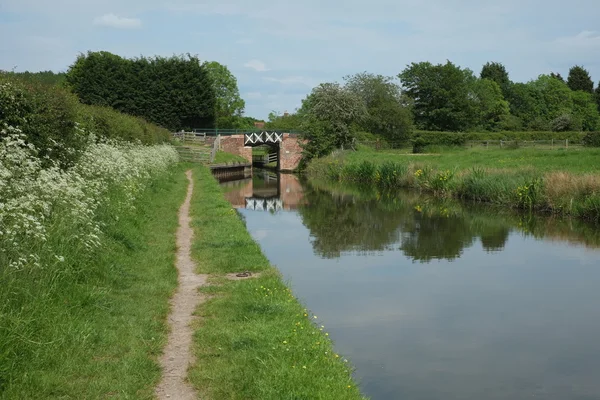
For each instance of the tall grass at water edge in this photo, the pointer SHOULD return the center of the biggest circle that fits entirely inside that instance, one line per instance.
(517, 182)
(86, 269)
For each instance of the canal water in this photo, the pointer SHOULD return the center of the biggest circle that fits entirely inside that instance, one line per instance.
(435, 300)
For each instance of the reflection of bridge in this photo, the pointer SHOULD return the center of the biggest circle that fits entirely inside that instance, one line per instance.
(266, 192)
(259, 204)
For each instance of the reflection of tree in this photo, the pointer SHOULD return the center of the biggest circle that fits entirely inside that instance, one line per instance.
(341, 223)
(495, 240)
(426, 237)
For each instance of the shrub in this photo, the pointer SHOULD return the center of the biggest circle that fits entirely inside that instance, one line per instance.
(591, 139)
(58, 126)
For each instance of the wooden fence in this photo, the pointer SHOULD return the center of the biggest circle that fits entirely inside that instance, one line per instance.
(190, 137)
(191, 154)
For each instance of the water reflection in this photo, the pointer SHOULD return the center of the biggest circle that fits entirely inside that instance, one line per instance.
(265, 191)
(441, 300)
(423, 228)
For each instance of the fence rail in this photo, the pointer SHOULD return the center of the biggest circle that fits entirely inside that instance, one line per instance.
(229, 132)
(193, 155)
(265, 158)
(190, 137)
(541, 144)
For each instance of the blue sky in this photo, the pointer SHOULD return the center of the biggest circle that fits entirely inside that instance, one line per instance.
(280, 50)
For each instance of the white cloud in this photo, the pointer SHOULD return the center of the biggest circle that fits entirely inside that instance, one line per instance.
(293, 80)
(256, 65)
(583, 39)
(115, 21)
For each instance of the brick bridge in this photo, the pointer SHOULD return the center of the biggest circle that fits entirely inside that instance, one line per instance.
(288, 145)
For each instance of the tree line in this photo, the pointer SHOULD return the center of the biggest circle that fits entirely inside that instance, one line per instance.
(176, 92)
(442, 97)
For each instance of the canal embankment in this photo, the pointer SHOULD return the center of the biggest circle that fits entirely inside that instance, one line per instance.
(254, 339)
(554, 181)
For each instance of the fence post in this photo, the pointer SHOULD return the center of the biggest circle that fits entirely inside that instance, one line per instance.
(552, 143)
(501, 144)
(567, 143)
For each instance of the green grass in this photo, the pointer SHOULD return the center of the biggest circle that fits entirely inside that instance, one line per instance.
(560, 181)
(96, 329)
(254, 340)
(576, 160)
(223, 157)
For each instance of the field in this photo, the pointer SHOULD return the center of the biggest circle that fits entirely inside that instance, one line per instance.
(578, 160)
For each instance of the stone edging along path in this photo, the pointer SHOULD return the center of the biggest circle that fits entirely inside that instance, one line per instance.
(178, 355)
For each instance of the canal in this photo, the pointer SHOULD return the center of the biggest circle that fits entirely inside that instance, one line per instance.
(434, 299)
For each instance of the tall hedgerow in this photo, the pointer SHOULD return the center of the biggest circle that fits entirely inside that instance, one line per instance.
(173, 92)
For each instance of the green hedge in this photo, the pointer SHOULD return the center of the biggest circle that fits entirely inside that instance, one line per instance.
(460, 138)
(591, 139)
(56, 123)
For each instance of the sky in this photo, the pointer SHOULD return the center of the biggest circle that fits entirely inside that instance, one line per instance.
(280, 50)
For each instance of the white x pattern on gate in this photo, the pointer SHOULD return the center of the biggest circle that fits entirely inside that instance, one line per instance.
(262, 138)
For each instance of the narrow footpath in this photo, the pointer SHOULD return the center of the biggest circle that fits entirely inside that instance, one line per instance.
(178, 355)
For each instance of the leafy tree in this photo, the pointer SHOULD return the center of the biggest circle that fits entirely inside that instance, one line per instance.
(387, 113)
(229, 105)
(285, 122)
(493, 109)
(442, 96)
(331, 114)
(526, 103)
(44, 77)
(557, 76)
(585, 110)
(174, 92)
(597, 95)
(496, 72)
(555, 95)
(579, 79)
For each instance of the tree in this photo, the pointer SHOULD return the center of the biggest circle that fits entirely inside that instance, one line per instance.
(174, 92)
(493, 109)
(597, 95)
(585, 110)
(285, 122)
(496, 72)
(331, 114)
(388, 116)
(526, 103)
(442, 96)
(579, 79)
(557, 76)
(229, 105)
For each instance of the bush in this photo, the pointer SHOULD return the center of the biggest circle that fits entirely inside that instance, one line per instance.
(591, 139)
(58, 125)
(419, 145)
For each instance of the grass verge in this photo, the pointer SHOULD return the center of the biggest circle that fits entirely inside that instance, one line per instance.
(98, 330)
(561, 182)
(254, 340)
(223, 157)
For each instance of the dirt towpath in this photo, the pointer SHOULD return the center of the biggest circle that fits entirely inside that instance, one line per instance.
(178, 352)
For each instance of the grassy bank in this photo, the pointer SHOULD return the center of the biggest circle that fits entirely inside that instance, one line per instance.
(254, 340)
(561, 181)
(92, 324)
